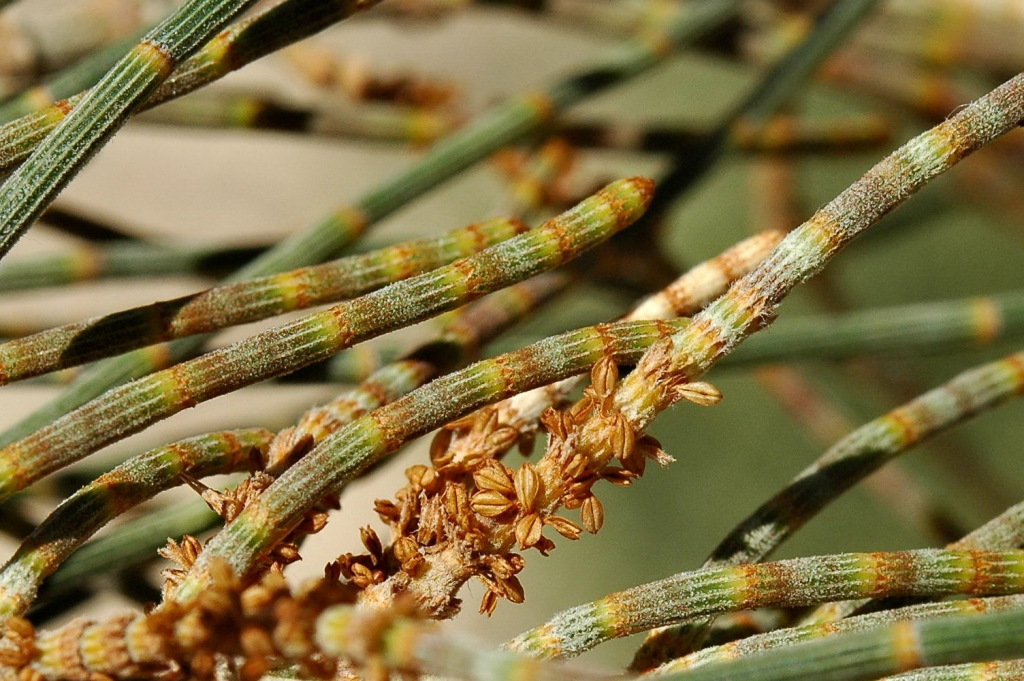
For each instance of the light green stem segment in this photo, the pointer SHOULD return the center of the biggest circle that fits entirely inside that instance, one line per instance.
(507, 123)
(317, 336)
(787, 583)
(343, 455)
(110, 495)
(104, 110)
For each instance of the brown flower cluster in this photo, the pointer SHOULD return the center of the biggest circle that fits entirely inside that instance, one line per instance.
(467, 514)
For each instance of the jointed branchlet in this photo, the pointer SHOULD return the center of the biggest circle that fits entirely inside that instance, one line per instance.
(114, 493)
(515, 421)
(509, 122)
(319, 335)
(244, 302)
(845, 464)
(473, 512)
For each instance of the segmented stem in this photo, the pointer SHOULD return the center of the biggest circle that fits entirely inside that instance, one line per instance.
(848, 462)
(340, 457)
(506, 123)
(750, 303)
(896, 647)
(110, 495)
(754, 645)
(242, 302)
(317, 336)
(780, 638)
(787, 583)
(461, 334)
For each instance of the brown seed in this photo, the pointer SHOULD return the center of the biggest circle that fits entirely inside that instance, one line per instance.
(489, 603)
(500, 567)
(287, 553)
(253, 668)
(699, 392)
(456, 502)
(256, 641)
(405, 548)
(423, 477)
(407, 553)
(414, 565)
(494, 477)
(516, 561)
(622, 437)
(490, 504)
(552, 421)
(362, 576)
(512, 589)
(564, 527)
(502, 439)
(592, 514)
(372, 543)
(576, 467)
(491, 420)
(387, 511)
(528, 530)
(528, 485)
(605, 375)
(439, 445)
(317, 522)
